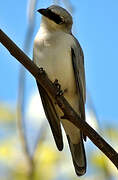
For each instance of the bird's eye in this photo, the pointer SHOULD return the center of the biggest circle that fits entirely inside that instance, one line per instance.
(61, 21)
(55, 17)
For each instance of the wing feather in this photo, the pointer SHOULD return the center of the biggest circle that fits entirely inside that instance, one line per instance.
(79, 72)
(52, 117)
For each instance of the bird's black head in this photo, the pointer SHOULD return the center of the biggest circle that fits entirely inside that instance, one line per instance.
(57, 14)
(51, 15)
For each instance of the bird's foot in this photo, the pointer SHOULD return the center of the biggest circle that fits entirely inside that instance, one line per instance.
(58, 86)
(41, 71)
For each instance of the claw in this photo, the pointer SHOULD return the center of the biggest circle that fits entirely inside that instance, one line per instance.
(56, 83)
(41, 71)
(58, 86)
(59, 93)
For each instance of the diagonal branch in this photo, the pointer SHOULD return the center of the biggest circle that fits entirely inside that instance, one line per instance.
(69, 113)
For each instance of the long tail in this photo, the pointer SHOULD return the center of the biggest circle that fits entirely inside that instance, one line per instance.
(78, 156)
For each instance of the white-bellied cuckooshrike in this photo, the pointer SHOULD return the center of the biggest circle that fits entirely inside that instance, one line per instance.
(61, 56)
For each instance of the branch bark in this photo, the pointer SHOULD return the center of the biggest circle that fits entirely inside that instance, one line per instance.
(69, 113)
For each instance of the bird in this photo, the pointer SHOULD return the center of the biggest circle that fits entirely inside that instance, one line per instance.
(60, 54)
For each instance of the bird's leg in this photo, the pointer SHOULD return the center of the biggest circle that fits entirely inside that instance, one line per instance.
(58, 86)
(60, 93)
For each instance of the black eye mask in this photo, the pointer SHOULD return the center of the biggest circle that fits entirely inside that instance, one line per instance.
(51, 15)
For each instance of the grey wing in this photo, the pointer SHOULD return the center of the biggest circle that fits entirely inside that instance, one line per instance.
(52, 117)
(79, 72)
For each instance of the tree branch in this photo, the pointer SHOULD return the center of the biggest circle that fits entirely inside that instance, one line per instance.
(69, 113)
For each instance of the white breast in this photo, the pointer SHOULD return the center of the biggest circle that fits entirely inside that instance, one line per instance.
(52, 51)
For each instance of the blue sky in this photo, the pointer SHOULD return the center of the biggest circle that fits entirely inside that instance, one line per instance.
(96, 28)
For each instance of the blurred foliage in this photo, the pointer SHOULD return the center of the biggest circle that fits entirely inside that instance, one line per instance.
(48, 157)
(6, 113)
(49, 163)
(100, 161)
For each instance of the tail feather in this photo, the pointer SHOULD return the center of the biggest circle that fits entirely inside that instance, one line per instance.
(78, 156)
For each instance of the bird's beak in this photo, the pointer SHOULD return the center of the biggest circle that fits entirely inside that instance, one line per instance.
(51, 15)
(43, 12)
